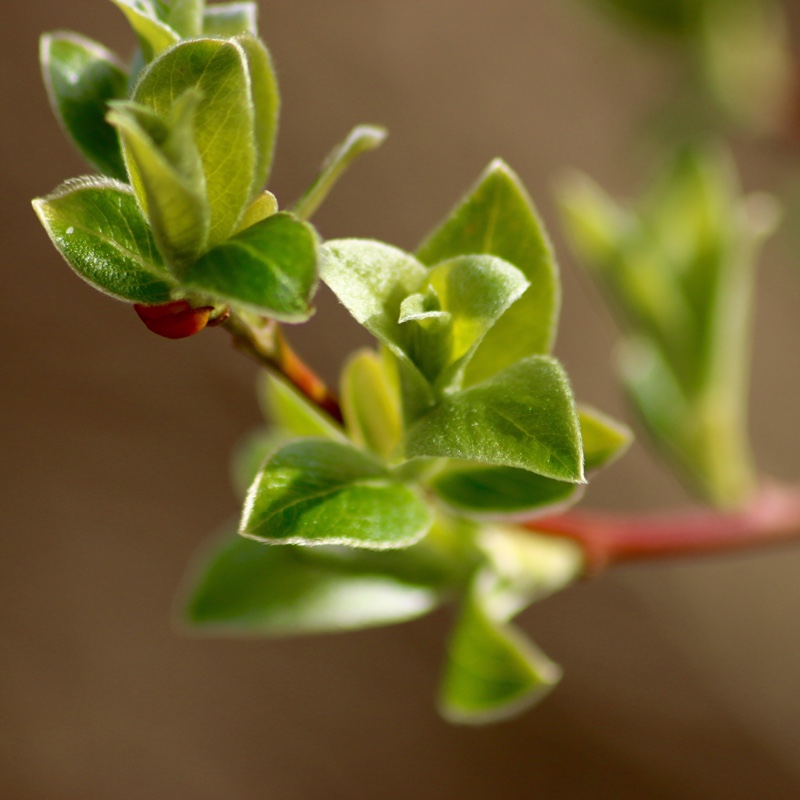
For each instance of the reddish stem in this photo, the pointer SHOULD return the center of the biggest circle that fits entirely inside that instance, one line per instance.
(771, 516)
(263, 340)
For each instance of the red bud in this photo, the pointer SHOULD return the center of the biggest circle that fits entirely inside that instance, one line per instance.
(175, 320)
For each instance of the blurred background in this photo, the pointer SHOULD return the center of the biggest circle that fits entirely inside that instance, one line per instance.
(680, 678)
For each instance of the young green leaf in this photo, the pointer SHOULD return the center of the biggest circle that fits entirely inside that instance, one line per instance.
(604, 439)
(154, 35)
(230, 19)
(480, 491)
(476, 291)
(371, 279)
(493, 672)
(266, 103)
(369, 403)
(316, 492)
(498, 218)
(361, 139)
(249, 455)
(522, 417)
(250, 587)
(293, 415)
(269, 268)
(217, 70)
(263, 205)
(185, 17)
(97, 226)
(81, 76)
(168, 176)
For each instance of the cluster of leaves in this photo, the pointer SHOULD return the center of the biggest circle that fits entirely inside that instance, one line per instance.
(457, 426)
(680, 271)
(737, 51)
(184, 154)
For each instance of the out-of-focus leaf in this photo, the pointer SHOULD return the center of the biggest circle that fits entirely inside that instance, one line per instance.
(154, 35)
(293, 415)
(230, 19)
(370, 405)
(248, 587)
(81, 76)
(604, 439)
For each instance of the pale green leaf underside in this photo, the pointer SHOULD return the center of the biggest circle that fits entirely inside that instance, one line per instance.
(224, 123)
(81, 76)
(316, 492)
(269, 268)
(154, 35)
(498, 218)
(369, 403)
(230, 19)
(604, 439)
(185, 17)
(492, 672)
(523, 417)
(292, 413)
(98, 228)
(371, 279)
(248, 587)
(266, 104)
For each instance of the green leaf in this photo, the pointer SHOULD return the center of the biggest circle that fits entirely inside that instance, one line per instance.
(96, 225)
(154, 35)
(476, 291)
(316, 492)
(604, 439)
(369, 403)
(523, 417)
(230, 19)
(494, 491)
(248, 587)
(497, 218)
(224, 121)
(266, 103)
(493, 672)
(81, 76)
(269, 268)
(264, 205)
(293, 415)
(185, 17)
(249, 455)
(361, 139)
(371, 279)
(168, 174)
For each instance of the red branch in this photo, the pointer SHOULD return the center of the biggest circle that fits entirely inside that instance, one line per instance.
(771, 516)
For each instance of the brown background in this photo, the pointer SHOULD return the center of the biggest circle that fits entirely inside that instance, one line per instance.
(681, 680)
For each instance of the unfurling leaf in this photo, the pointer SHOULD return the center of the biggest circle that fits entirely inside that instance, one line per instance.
(497, 218)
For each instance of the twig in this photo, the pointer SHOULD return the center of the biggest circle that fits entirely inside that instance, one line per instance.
(771, 516)
(263, 339)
